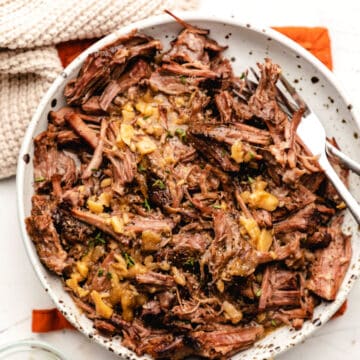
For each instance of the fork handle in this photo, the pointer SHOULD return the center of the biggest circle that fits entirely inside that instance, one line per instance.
(343, 191)
(348, 162)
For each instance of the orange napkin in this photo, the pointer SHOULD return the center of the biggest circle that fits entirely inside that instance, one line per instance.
(316, 40)
(48, 320)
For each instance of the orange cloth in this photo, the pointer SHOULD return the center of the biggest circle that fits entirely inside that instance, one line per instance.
(316, 40)
(48, 320)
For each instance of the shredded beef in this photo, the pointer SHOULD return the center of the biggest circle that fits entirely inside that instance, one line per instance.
(177, 203)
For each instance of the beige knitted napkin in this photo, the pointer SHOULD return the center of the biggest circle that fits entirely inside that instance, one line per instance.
(29, 62)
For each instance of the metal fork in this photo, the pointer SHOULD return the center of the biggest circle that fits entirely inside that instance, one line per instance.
(330, 148)
(312, 134)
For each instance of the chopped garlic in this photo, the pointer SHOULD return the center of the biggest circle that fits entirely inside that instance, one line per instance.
(82, 268)
(264, 241)
(150, 240)
(101, 308)
(251, 227)
(237, 151)
(128, 113)
(259, 198)
(127, 133)
(165, 266)
(94, 206)
(178, 276)
(105, 198)
(264, 200)
(179, 101)
(232, 313)
(220, 285)
(145, 109)
(106, 182)
(128, 116)
(341, 206)
(145, 146)
(117, 224)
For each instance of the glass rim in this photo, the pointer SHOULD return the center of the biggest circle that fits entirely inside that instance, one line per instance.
(30, 343)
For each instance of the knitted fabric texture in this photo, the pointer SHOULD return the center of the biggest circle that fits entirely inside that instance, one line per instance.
(29, 62)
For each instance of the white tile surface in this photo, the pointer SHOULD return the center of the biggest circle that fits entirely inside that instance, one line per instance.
(20, 291)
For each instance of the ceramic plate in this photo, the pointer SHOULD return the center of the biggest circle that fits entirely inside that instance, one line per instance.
(247, 45)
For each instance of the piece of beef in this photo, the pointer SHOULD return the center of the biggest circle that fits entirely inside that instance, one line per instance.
(224, 102)
(83, 130)
(155, 279)
(93, 75)
(67, 137)
(263, 103)
(214, 153)
(319, 238)
(70, 229)
(123, 169)
(97, 158)
(331, 263)
(50, 162)
(96, 221)
(92, 106)
(190, 242)
(225, 342)
(262, 217)
(42, 231)
(139, 224)
(58, 117)
(188, 70)
(169, 84)
(279, 288)
(104, 327)
(230, 135)
(138, 71)
(229, 254)
(303, 220)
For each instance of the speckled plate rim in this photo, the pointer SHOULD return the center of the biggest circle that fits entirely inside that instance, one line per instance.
(193, 17)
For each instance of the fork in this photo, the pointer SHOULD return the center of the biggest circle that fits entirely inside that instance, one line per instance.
(312, 134)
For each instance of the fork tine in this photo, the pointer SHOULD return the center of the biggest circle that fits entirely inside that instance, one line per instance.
(283, 100)
(294, 94)
(257, 77)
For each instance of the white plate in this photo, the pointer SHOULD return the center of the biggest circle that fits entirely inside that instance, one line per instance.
(248, 44)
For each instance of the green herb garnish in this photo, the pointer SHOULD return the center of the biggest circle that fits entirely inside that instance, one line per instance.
(39, 179)
(147, 205)
(159, 184)
(129, 260)
(100, 273)
(146, 117)
(223, 152)
(183, 79)
(141, 168)
(94, 170)
(169, 134)
(216, 206)
(273, 323)
(189, 262)
(181, 133)
(108, 275)
(242, 76)
(251, 155)
(97, 240)
(250, 179)
(258, 293)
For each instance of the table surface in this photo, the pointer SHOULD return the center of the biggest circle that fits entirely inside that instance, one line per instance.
(21, 291)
